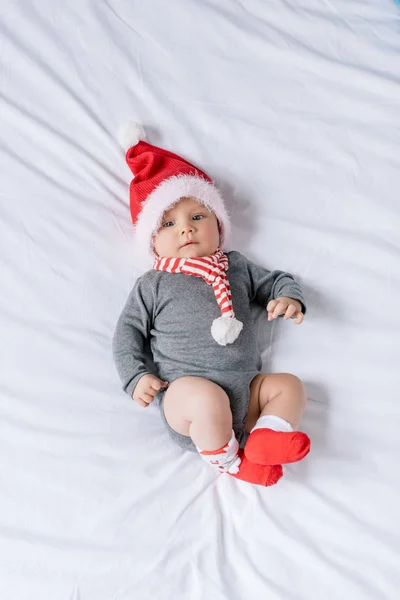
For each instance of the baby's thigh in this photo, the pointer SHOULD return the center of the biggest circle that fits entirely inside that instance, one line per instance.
(188, 399)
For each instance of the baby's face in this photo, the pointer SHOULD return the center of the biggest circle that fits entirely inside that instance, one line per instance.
(188, 230)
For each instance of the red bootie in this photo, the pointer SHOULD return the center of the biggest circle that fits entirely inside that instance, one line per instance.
(258, 474)
(268, 447)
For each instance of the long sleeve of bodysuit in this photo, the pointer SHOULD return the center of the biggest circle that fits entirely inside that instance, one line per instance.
(131, 333)
(268, 285)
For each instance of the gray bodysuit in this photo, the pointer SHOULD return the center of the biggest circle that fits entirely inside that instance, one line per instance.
(171, 314)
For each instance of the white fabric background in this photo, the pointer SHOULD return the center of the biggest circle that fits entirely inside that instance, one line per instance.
(293, 106)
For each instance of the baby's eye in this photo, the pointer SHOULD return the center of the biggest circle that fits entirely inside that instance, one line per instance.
(168, 224)
(198, 217)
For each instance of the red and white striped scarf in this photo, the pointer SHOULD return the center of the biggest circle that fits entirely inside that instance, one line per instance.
(213, 270)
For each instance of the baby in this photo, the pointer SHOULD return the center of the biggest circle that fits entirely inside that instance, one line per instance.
(193, 309)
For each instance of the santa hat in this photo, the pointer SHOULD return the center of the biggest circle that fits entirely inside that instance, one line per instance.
(160, 180)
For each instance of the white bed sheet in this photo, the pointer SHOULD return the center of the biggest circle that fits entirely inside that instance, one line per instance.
(293, 106)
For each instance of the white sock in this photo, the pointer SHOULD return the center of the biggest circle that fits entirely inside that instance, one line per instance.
(272, 422)
(225, 459)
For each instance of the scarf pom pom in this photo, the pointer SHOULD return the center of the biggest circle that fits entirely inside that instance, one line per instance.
(225, 330)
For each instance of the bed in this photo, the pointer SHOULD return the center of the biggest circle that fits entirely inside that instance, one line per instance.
(293, 107)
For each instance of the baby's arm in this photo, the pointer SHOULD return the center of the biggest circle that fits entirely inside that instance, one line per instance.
(278, 291)
(131, 333)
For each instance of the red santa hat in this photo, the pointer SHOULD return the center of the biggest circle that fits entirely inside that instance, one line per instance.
(160, 180)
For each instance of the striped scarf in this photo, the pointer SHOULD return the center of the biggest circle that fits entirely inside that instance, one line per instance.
(213, 270)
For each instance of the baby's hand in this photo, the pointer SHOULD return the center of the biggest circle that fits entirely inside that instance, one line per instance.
(146, 389)
(290, 308)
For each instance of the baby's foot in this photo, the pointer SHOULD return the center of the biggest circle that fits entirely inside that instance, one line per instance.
(268, 447)
(258, 474)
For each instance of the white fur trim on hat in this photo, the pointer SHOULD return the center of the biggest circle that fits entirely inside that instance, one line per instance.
(168, 193)
(130, 134)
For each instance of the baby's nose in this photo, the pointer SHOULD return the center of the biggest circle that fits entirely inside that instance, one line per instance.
(187, 227)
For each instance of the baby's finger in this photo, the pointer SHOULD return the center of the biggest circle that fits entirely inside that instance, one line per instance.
(270, 308)
(291, 310)
(147, 397)
(150, 391)
(271, 305)
(279, 309)
(141, 402)
(157, 384)
(299, 318)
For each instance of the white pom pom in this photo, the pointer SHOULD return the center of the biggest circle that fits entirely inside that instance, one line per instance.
(225, 330)
(130, 133)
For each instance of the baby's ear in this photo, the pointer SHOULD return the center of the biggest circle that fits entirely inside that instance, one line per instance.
(152, 248)
(220, 231)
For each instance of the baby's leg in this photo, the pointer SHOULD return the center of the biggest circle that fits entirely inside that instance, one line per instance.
(276, 406)
(277, 394)
(200, 408)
